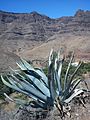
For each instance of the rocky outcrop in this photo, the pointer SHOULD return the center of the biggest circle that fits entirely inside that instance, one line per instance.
(20, 32)
(33, 26)
(80, 22)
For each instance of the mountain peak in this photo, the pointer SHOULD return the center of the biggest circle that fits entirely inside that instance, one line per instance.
(81, 13)
(34, 12)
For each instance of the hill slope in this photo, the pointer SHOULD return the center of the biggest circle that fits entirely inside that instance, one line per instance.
(31, 35)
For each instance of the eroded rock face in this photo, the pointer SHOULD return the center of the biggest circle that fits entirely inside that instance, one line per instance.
(22, 31)
(33, 26)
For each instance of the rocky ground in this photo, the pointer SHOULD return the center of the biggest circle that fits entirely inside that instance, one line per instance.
(78, 112)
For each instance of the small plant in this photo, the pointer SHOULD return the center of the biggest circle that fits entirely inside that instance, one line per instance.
(45, 91)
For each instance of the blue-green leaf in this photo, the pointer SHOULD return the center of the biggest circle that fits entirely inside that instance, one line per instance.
(76, 92)
(40, 85)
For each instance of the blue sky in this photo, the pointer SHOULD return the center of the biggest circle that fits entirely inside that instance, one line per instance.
(51, 8)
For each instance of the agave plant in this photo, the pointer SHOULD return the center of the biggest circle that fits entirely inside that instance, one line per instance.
(46, 91)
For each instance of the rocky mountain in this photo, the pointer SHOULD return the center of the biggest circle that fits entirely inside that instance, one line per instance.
(34, 26)
(31, 26)
(21, 32)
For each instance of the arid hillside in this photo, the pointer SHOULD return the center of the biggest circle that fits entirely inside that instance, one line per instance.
(66, 43)
(32, 35)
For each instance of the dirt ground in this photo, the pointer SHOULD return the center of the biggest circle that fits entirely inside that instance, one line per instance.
(78, 112)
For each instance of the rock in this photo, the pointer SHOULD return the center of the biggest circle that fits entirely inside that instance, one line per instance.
(34, 26)
(27, 113)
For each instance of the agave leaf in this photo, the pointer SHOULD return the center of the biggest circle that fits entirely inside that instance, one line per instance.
(50, 57)
(40, 85)
(15, 82)
(51, 76)
(76, 92)
(21, 76)
(10, 85)
(32, 90)
(30, 70)
(18, 88)
(74, 81)
(24, 65)
(21, 65)
(52, 90)
(58, 83)
(43, 76)
(60, 69)
(71, 79)
(55, 64)
(67, 71)
(15, 72)
(38, 104)
(24, 77)
(11, 81)
(7, 83)
(52, 83)
(76, 84)
(75, 72)
(57, 68)
(27, 64)
(59, 77)
(71, 88)
(8, 97)
(33, 73)
(25, 86)
(17, 101)
(18, 81)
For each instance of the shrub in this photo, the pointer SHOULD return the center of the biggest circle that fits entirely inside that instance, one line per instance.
(45, 91)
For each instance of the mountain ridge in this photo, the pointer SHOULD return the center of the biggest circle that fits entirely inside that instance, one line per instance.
(21, 32)
(35, 26)
(43, 21)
